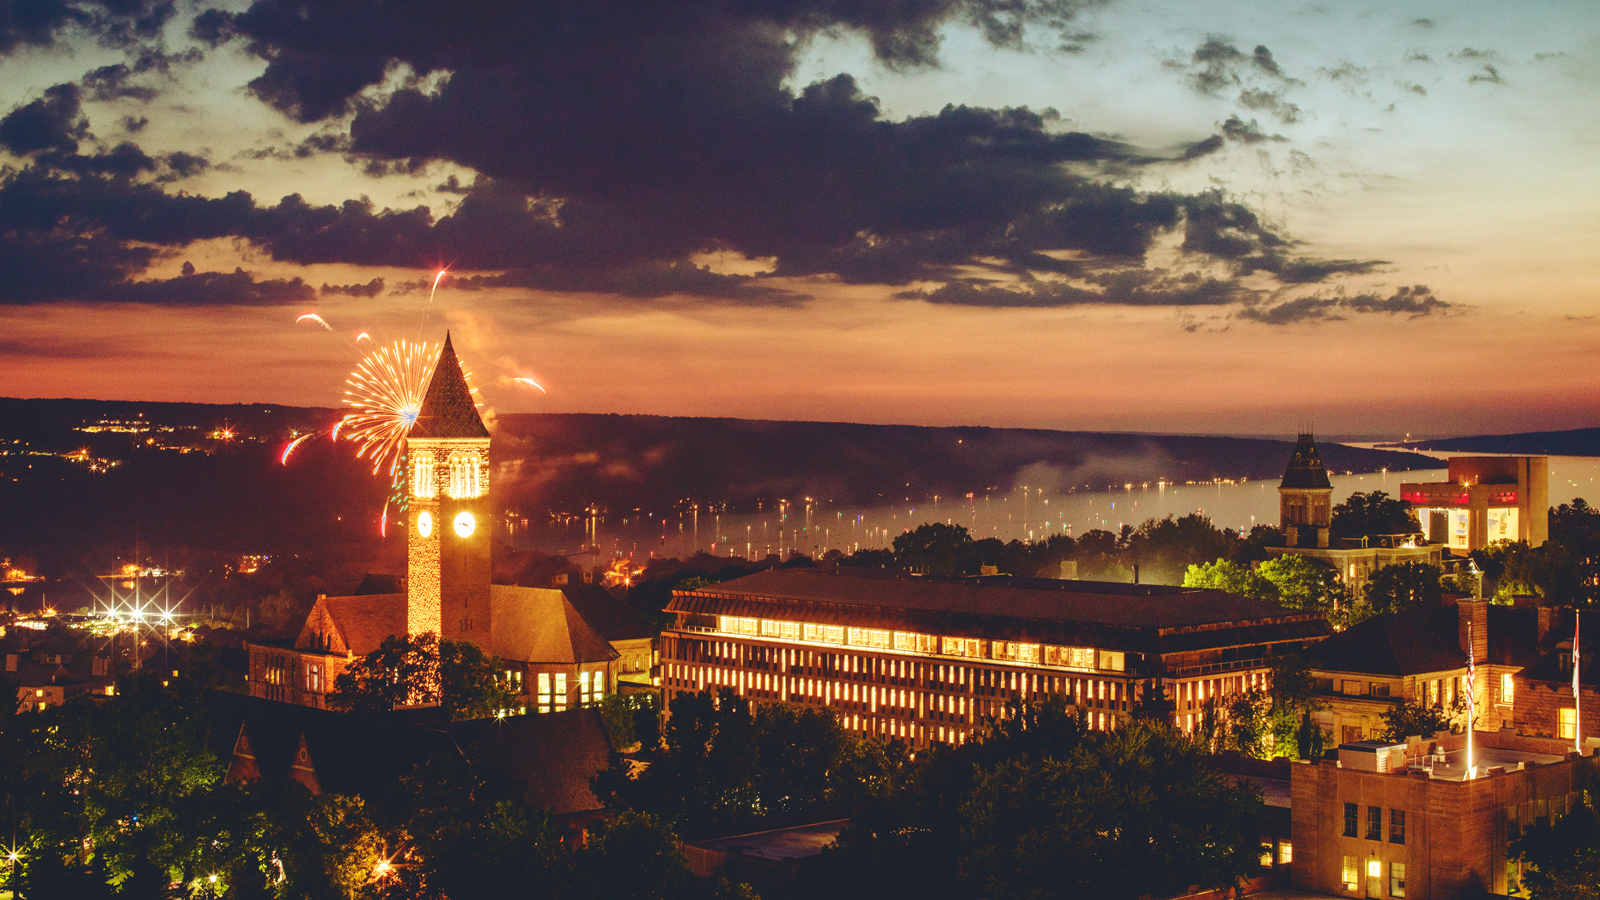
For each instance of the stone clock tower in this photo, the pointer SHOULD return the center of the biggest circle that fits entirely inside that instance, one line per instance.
(448, 523)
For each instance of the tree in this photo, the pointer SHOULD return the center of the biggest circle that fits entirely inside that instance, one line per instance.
(420, 671)
(1301, 582)
(1037, 805)
(1563, 856)
(1402, 586)
(1165, 548)
(1375, 513)
(1419, 720)
(1224, 575)
(932, 548)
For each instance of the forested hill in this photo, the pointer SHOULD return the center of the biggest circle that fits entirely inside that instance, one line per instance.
(1577, 442)
(652, 461)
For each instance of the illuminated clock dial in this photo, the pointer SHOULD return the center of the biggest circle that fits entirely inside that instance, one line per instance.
(464, 524)
(424, 523)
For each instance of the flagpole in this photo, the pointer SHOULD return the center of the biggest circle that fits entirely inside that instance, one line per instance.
(1472, 698)
(1577, 695)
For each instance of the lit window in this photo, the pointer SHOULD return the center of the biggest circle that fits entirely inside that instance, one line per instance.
(422, 476)
(561, 691)
(1349, 877)
(1507, 691)
(1397, 879)
(1374, 869)
(544, 692)
(1567, 723)
(583, 688)
(1285, 853)
(464, 475)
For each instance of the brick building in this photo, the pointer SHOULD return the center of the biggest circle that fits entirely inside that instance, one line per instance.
(926, 660)
(1545, 705)
(1420, 656)
(1404, 821)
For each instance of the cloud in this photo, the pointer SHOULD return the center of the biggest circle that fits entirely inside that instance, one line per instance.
(1142, 287)
(1273, 102)
(112, 23)
(52, 122)
(1236, 129)
(371, 289)
(1488, 74)
(236, 288)
(1414, 302)
(609, 144)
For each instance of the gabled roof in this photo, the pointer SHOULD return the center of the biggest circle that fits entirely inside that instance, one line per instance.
(614, 618)
(540, 625)
(447, 408)
(1424, 640)
(353, 625)
(1305, 466)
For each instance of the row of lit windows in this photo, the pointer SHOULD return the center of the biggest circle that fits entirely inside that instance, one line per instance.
(1082, 658)
(466, 475)
(1352, 873)
(591, 690)
(889, 706)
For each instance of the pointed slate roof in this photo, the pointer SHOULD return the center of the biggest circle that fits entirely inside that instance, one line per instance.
(1305, 466)
(447, 408)
(540, 625)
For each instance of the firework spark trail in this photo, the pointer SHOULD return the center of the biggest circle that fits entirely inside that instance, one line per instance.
(315, 318)
(530, 381)
(438, 276)
(295, 443)
(386, 390)
(360, 336)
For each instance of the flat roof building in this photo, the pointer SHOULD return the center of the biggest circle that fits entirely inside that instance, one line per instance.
(1486, 499)
(925, 660)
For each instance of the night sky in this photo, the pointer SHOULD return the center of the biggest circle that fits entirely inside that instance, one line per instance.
(1087, 214)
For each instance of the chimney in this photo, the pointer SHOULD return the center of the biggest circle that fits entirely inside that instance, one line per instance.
(1477, 613)
(1547, 620)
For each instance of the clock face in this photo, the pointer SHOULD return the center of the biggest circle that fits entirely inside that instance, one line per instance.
(424, 523)
(465, 523)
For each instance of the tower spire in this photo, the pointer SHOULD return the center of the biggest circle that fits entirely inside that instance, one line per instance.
(448, 410)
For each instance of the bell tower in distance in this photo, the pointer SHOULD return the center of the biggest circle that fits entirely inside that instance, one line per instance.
(447, 469)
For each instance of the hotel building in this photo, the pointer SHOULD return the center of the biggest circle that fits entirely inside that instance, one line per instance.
(925, 660)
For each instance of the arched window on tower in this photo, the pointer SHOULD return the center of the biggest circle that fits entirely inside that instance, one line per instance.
(464, 478)
(422, 484)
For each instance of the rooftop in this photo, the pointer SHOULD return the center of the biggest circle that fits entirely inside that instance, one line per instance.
(1305, 466)
(1137, 606)
(448, 410)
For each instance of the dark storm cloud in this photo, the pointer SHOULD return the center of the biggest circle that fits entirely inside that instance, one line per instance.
(52, 122)
(612, 141)
(113, 23)
(1415, 301)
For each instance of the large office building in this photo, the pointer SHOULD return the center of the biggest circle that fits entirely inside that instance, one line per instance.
(926, 660)
(1486, 499)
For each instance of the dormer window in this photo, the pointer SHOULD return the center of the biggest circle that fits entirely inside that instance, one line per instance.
(422, 484)
(465, 480)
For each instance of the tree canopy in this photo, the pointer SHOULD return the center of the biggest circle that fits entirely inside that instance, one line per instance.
(1363, 515)
(1402, 586)
(420, 671)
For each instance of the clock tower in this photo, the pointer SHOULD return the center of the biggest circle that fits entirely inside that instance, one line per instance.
(447, 469)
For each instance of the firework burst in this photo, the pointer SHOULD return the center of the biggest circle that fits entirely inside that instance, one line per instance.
(386, 390)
